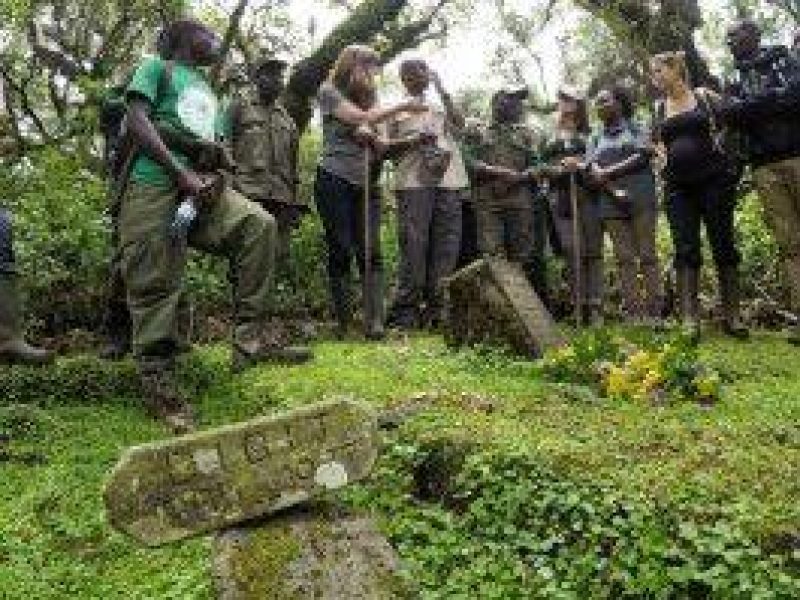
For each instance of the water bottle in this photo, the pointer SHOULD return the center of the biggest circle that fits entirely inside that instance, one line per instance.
(185, 215)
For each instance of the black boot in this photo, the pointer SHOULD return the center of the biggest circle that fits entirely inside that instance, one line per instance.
(341, 305)
(162, 396)
(729, 299)
(118, 330)
(13, 347)
(374, 315)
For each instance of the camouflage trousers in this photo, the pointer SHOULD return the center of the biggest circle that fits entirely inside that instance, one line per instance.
(591, 259)
(779, 188)
(153, 261)
(287, 217)
(505, 230)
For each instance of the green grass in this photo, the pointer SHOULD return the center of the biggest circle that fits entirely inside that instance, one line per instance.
(743, 453)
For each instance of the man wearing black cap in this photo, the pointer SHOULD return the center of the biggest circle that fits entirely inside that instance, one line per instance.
(764, 104)
(264, 142)
(502, 164)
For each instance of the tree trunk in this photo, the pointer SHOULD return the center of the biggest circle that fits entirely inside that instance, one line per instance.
(657, 27)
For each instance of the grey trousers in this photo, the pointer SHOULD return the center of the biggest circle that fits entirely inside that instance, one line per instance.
(591, 243)
(634, 241)
(429, 232)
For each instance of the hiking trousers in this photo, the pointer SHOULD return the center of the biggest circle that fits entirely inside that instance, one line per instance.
(779, 189)
(634, 242)
(429, 238)
(154, 262)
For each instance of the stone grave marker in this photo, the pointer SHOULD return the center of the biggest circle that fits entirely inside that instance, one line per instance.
(173, 489)
(491, 300)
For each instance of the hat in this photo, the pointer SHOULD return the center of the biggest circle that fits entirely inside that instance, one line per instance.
(273, 59)
(567, 90)
(520, 91)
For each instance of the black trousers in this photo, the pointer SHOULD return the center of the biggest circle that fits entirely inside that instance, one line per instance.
(341, 207)
(711, 204)
(6, 244)
(429, 239)
(469, 251)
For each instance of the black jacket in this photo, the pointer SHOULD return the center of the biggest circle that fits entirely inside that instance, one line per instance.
(763, 102)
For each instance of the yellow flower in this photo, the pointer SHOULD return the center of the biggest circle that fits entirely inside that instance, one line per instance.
(617, 381)
(708, 385)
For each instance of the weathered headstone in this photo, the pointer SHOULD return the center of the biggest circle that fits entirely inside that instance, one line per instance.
(491, 300)
(307, 555)
(173, 489)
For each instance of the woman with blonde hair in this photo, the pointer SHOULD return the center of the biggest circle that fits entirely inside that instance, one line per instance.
(700, 184)
(347, 174)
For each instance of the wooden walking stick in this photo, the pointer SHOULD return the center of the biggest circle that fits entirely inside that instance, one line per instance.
(577, 250)
(368, 308)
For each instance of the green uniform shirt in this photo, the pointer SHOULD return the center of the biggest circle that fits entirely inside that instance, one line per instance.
(512, 145)
(187, 104)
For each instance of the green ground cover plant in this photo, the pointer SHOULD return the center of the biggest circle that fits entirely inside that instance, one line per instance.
(498, 484)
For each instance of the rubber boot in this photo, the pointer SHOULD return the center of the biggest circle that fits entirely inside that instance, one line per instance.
(117, 327)
(732, 324)
(251, 347)
(793, 274)
(688, 283)
(13, 347)
(373, 308)
(162, 396)
(341, 305)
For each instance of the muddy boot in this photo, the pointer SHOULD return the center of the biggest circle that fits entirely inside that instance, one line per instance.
(162, 396)
(688, 282)
(13, 347)
(252, 347)
(729, 299)
(374, 309)
(341, 305)
(792, 266)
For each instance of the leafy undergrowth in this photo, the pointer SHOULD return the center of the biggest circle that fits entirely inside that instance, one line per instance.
(499, 484)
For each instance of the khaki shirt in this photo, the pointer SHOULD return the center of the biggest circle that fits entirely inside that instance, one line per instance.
(264, 142)
(514, 146)
(407, 167)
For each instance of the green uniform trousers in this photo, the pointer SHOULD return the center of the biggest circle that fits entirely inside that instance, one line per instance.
(153, 261)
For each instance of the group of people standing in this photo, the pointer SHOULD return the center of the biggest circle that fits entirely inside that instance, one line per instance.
(224, 180)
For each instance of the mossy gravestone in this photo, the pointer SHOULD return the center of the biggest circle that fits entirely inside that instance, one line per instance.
(492, 301)
(173, 489)
(307, 554)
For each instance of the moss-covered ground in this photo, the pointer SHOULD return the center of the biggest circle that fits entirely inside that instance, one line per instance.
(556, 492)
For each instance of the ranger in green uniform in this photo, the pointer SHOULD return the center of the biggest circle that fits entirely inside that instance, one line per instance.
(168, 171)
(502, 164)
(264, 142)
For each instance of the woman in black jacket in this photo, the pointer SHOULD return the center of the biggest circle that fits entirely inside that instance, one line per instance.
(700, 188)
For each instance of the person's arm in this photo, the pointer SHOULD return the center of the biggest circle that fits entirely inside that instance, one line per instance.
(334, 102)
(150, 142)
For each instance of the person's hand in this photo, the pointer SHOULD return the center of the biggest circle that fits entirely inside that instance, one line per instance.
(365, 136)
(435, 80)
(414, 106)
(534, 174)
(599, 175)
(190, 183)
(571, 164)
